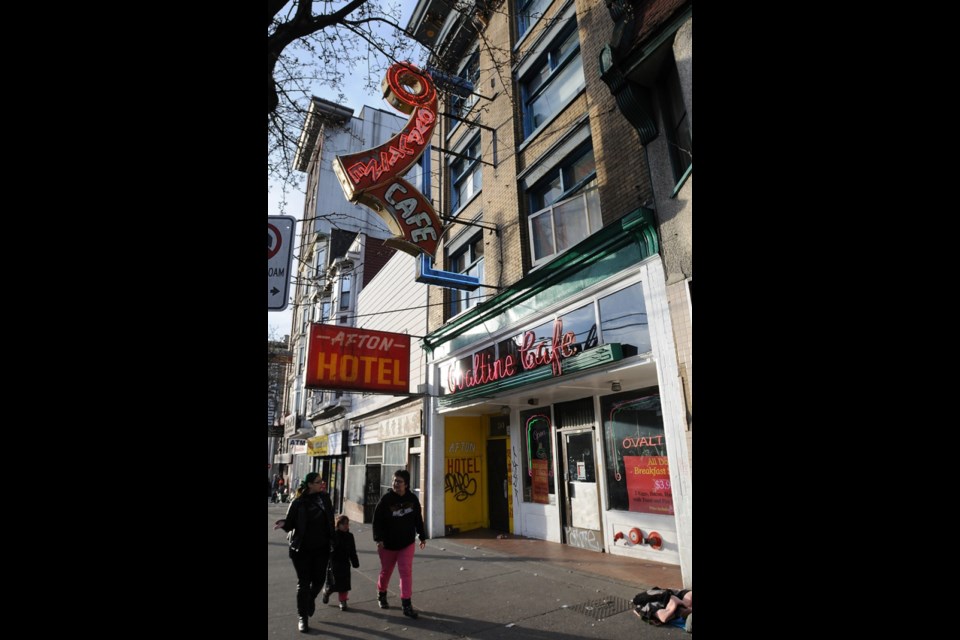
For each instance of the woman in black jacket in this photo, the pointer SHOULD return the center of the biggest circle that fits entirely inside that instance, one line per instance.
(397, 521)
(310, 518)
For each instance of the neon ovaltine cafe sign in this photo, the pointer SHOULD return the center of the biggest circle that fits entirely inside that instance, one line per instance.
(531, 354)
(372, 177)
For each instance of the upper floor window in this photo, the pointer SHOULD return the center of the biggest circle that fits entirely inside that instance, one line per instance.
(528, 12)
(468, 260)
(345, 282)
(465, 176)
(461, 105)
(676, 124)
(320, 258)
(572, 174)
(304, 318)
(553, 81)
(565, 205)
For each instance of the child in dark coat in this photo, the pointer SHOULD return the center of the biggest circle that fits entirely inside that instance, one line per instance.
(343, 553)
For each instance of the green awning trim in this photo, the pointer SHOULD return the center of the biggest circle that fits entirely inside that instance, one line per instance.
(618, 246)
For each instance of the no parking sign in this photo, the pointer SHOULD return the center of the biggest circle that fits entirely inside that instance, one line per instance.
(279, 260)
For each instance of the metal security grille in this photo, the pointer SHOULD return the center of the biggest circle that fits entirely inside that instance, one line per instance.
(578, 413)
(603, 607)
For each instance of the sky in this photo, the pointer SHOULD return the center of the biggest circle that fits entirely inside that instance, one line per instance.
(278, 322)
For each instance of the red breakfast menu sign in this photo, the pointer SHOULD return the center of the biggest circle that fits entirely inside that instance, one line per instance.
(648, 484)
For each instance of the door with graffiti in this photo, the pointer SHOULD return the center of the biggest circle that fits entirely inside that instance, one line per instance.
(581, 493)
(464, 484)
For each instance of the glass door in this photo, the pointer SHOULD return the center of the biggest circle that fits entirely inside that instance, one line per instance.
(581, 503)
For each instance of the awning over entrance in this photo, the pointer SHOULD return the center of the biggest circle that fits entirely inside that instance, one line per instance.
(618, 246)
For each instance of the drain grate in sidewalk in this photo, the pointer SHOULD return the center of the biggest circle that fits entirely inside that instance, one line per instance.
(603, 607)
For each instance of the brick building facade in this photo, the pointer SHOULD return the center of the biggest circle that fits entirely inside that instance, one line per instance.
(572, 160)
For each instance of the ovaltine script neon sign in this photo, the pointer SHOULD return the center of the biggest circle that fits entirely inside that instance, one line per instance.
(531, 356)
(372, 177)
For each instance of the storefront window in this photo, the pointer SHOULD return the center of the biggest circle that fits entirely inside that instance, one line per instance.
(619, 317)
(635, 452)
(356, 472)
(537, 455)
(394, 459)
(623, 319)
(583, 323)
(510, 347)
(336, 479)
(543, 332)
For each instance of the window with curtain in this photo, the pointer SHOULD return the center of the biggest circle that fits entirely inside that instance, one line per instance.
(565, 206)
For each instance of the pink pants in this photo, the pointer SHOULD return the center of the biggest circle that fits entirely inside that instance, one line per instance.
(403, 559)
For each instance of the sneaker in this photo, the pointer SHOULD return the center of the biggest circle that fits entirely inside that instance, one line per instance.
(302, 624)
(382, 599)
(343, 605)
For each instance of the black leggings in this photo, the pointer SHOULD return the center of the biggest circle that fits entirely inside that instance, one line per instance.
(311, 568)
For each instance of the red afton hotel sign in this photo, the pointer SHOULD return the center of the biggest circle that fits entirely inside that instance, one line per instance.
(357, 359)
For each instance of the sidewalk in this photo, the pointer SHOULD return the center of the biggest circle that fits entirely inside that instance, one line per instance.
(478, 587)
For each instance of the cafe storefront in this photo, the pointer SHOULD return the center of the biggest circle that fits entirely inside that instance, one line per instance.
(559, 413)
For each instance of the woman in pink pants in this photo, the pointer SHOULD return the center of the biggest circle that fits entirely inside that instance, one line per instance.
(397, 522)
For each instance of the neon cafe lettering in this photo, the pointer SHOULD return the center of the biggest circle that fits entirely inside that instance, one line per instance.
(531, 356)
(389, 157)
(372, 177)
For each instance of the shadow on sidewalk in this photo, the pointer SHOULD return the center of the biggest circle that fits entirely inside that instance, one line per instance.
(392, 625)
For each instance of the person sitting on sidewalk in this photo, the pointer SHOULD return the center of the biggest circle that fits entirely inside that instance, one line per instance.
(659, 606)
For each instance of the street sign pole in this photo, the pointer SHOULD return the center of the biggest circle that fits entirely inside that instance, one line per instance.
(279, 260)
